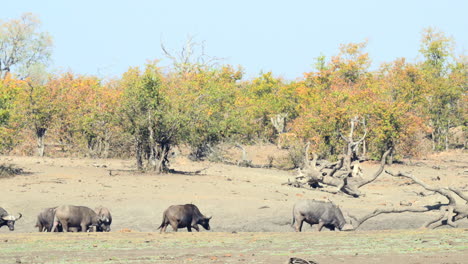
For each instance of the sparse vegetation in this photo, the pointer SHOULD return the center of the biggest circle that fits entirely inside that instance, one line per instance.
(7, 171)
(431, 247)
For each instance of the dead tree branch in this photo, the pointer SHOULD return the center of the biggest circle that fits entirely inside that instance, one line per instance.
(379, 171)
(345, 174)
(191, 58)
(442, 191)
(449, 213)
(348, 182)
(359, 222)
(459, 193)
(353, 145)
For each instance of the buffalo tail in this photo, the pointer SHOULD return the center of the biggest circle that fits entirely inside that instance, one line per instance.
(163, 221)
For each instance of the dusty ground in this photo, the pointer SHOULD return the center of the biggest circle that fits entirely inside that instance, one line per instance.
(239, 199)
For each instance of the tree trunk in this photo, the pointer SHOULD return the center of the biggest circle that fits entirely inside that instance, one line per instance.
(139, 154)
(352, 148)
(105, 151)
(364, 149)
(162, 159)
(40, 134)
(99, 148)
(447, 138)
(91, 145)
(390, 159)
(152, 159)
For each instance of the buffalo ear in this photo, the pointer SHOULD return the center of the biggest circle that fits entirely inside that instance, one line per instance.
(208, 218)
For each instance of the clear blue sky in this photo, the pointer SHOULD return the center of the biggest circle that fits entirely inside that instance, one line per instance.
(105, 37)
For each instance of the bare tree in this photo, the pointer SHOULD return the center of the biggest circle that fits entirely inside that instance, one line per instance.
(279, 123)
(352, 152)
(346, 181)
(346, 174)
(22, 46)
(191, 57)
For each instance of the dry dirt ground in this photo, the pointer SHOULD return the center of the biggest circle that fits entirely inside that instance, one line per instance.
(241, 200)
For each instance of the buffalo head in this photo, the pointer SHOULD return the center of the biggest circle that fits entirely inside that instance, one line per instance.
(103, 224)
(10, 221)
(205, 222)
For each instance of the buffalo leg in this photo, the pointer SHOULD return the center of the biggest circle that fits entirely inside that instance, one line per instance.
(55, 226)
(320, 226)
(298, 225)
(84, 228)
(196, 227)
(163, 228)
(64, 226)
(174, 225)
(189, 228)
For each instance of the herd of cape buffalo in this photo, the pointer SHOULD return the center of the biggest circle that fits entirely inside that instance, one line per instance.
(70, 218)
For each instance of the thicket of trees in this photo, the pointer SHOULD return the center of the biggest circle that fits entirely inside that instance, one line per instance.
(198, 103)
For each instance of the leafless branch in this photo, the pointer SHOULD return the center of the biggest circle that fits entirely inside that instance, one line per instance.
(379, 171)
(442, 191)
(359, 222)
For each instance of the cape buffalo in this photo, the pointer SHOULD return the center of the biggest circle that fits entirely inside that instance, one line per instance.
(325, 214)
(180, 216)
(8, 220)
(79, 217)
(106, 217)
(45, 220)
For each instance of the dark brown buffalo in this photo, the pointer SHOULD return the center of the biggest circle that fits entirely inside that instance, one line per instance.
(8, 220)
(106, 217)
(180, 216)
(80, 217)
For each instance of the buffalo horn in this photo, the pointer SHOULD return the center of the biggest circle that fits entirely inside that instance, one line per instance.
(9, 218)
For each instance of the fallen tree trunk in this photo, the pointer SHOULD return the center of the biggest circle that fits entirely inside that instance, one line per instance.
(449, 213)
